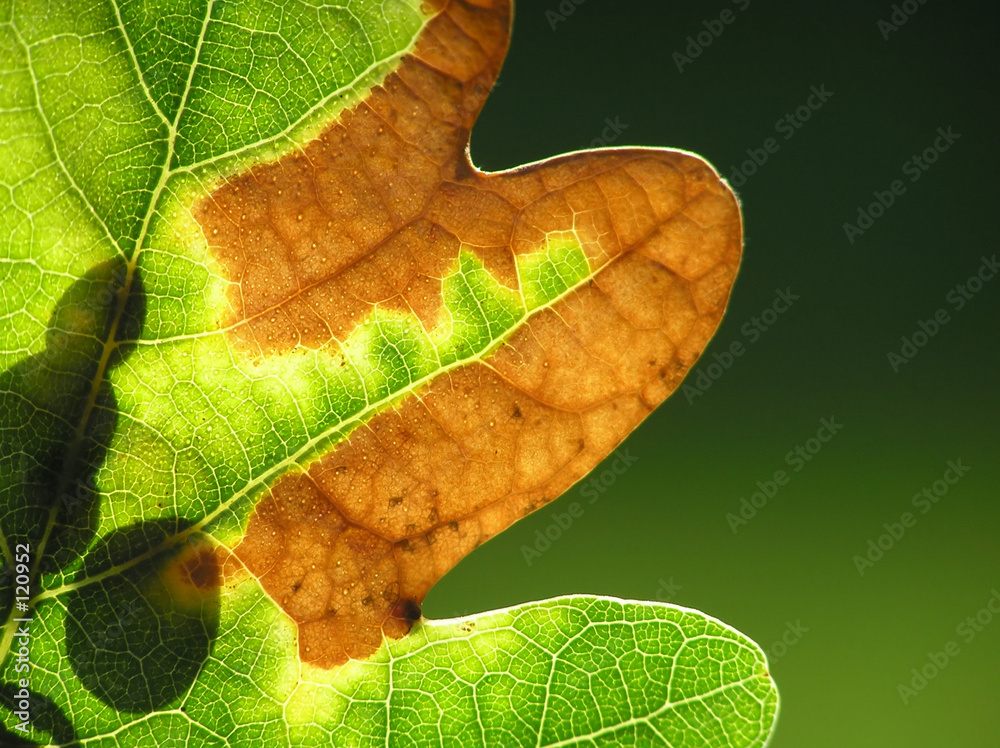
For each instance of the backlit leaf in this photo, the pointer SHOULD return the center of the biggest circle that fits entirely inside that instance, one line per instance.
(277, 356)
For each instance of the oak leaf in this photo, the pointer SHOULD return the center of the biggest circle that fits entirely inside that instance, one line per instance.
(277, 355)
(494, 336)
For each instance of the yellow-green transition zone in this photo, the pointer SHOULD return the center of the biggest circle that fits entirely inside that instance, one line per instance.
(196, 391)
(110, 111)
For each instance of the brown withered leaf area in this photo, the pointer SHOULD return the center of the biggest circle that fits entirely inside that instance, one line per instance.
(374, 212)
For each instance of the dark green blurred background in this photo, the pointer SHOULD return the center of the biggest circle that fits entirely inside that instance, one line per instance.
(661, 529)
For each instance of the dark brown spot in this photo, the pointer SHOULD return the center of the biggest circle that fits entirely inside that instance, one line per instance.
(203, 570)
(407, 610)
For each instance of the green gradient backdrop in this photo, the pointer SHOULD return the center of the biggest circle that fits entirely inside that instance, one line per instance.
(665, 518)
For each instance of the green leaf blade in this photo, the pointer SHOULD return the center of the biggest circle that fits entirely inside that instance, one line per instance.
(577, 670)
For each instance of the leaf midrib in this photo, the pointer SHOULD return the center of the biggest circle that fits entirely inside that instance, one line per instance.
(109, 344)
(168, 169)
(312, 448)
